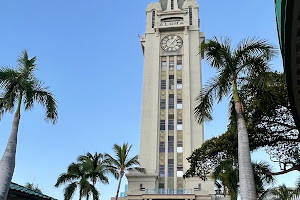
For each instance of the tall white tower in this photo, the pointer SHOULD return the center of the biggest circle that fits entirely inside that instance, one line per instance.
(172, 80)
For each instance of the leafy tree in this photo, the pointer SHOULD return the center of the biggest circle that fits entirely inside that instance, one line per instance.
(33, 187)
(78, 178)
(234, 67)
(123, 163)
(20, 86)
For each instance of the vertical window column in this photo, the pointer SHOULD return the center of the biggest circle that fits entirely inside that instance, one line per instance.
(153, 18)
(163, 120)
(191, 15)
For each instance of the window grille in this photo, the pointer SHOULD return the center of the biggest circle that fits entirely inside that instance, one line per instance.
(163, 84)
(162, 104)
(153, 18)
(162, 124)
(191, 15)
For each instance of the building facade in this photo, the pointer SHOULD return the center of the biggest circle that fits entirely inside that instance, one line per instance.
(172, 81)
(288, 25)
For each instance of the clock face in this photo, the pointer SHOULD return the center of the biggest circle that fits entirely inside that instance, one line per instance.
(171, 43)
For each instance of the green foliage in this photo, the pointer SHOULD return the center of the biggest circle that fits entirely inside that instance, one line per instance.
(122, 162)
(234, 67)
(88, 168)
(33, 187)
(270, 126)
(20, 85)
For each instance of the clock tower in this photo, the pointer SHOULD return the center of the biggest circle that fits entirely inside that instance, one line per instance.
(172, 81)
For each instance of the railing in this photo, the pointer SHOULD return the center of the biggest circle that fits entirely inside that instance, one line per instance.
(168, 191)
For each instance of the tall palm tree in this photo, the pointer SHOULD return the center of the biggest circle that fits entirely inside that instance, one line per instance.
(97, 167)
(77, 177)
(20, 86)
(234, 67)
(123, 163)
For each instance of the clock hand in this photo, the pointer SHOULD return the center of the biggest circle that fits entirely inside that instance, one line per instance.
(174, 39)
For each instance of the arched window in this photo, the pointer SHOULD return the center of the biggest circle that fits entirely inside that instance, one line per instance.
(191, 15)
(172, 4)
(153, 18)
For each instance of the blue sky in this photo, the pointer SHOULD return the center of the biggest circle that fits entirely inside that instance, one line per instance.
(90, 54)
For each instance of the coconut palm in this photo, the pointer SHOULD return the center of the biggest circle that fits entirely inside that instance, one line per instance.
(20, 86)
(123, 163)
(78, 178)
(234, 67)
(97, 167)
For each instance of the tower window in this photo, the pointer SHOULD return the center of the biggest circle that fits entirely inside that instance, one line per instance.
(171, 65)
(179, 64)
(171, 124)
(171, 167)
(179, 84)
(163, 66)
(179, 147)
(161, 147)
(162, 104)
(162, 124)
(171, 101)
(179, 124)
(171, 81)
(163, 84)
(161, 172)
(179, 103)
(172, 4)
(153, 18)
(191, 15)
(170, 143)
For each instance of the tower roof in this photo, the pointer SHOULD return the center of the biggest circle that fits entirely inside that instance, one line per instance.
(165, 2)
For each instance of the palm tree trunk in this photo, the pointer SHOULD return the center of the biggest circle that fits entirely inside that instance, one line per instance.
(246, 176)
(121, 176)
(7, 163)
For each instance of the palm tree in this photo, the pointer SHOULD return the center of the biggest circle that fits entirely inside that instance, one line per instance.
(234, 67)
(77, 177)
(20, 86)
(123, 163)
(97, 167)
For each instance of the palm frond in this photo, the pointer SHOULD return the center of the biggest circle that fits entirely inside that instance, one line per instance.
(204, 101)
(138, 169)
(113, 160)
(64, 178)
(70, 190)
(133, 161)
(217, 52)
(253, 47)
(46, 99)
